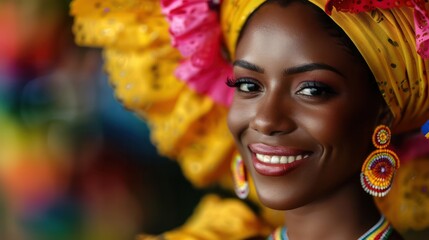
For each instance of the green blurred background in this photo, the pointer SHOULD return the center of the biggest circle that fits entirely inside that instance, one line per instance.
(73, 163)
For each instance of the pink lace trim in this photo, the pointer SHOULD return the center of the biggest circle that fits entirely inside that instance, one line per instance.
(196, 33)
(421, 16)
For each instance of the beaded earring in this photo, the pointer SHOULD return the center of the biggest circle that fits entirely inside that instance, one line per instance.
(239, 176)
(380, 166)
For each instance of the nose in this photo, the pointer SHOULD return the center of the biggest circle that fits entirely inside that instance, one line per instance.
(273, 117)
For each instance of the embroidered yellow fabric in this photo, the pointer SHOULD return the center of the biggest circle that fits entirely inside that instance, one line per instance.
(217, 218)
(140, 61)
(386, 39)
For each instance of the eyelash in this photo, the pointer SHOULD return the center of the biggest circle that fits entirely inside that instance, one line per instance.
(313, 88)
(323, 89)
(237, 83)
(231, 82)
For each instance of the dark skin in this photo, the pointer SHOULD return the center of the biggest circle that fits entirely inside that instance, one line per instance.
(300, 94)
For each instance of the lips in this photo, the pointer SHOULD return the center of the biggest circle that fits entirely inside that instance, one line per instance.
(275, 160)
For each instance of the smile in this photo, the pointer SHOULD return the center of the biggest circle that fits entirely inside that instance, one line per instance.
(275, 160)
(279, 159)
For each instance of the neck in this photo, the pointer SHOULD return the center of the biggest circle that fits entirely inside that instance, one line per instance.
(345, 214)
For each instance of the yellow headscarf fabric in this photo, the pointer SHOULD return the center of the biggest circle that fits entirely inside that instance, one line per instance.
(386, 40)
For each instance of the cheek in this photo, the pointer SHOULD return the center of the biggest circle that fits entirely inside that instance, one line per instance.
(344, 126)
(236, 120)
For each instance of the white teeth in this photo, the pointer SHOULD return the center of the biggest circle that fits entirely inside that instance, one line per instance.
(280, 159)
(267, 158)
(275, 159)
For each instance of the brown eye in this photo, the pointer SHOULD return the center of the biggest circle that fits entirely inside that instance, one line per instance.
(315, 89)
(245, 85)
(248, 87)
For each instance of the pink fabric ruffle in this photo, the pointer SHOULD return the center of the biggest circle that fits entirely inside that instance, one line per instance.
(421, 23)
(196, 33)
(421, 16)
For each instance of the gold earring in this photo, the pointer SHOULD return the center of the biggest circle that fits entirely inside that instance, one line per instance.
(239, 176)
(380, 166)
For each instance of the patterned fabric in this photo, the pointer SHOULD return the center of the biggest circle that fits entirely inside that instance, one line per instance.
(380, 231)
(195, 31)
(399, 70)
(140, 60)
(421, 17)
(216, 219)
(234, 14)
(278, 234)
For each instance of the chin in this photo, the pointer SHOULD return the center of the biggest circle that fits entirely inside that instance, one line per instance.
(279, 201)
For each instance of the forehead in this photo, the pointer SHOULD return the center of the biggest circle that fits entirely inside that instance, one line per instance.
(293, 30)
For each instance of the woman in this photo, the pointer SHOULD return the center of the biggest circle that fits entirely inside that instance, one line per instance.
(306, 106)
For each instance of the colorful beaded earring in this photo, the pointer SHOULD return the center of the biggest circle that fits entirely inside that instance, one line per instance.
(380, 166)
(239, 177)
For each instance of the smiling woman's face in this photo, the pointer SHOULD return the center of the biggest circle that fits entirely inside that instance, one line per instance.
(304, 109)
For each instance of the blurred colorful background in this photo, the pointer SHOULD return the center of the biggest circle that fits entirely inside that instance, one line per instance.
(73, 163)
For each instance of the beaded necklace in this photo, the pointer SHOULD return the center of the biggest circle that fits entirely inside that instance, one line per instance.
(379, 231)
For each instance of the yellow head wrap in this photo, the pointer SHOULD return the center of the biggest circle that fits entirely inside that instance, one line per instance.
(386, 40)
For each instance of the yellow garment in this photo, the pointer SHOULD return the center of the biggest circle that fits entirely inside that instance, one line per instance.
(140, 62)
(215, 219)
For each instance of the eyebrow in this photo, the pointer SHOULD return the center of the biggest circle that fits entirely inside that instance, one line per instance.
(248, 65)
(310, 67)
(290, 71)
